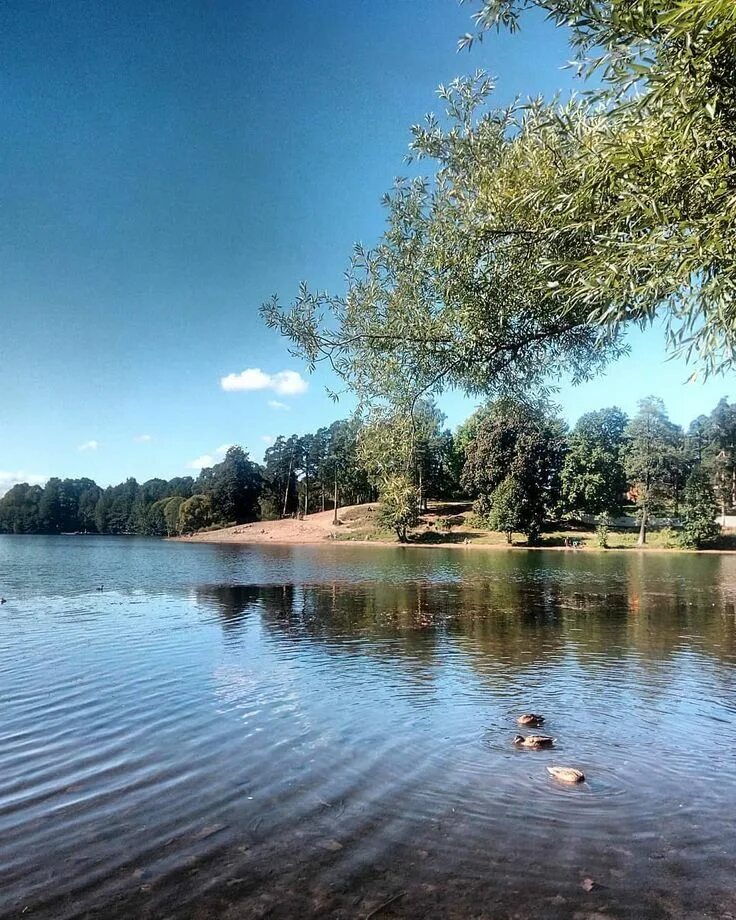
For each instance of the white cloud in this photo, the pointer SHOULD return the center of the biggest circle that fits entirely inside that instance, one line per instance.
(143, 438)
(8, 479)
(89, 445)
(275, 404)
(268, 439)
(199, 463)
(285, 383)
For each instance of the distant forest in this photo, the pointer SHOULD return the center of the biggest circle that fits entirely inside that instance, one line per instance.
(297, 472)
(519, 464)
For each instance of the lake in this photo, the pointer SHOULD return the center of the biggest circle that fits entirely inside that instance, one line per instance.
(291, 731)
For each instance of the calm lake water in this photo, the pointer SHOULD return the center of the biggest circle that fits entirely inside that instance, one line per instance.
(326, 731)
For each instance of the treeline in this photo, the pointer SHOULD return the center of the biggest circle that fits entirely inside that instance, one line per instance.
(312, 471)
(517, 462)
(524, 468)
(226, 492)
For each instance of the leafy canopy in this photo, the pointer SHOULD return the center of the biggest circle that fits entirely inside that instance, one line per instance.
(633, 186)
(593, 475)
(513, 466)
(653, 443)
(451, 295)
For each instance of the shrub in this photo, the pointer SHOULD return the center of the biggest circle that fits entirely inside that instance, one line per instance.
(669, 538)
(602, 530)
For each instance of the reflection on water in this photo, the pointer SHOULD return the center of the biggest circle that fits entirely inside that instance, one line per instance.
(246, 732)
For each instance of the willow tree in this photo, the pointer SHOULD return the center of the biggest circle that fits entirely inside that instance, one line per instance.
(633, 186)
(452, 294)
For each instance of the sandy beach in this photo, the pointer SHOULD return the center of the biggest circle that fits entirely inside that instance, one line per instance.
(316, 528)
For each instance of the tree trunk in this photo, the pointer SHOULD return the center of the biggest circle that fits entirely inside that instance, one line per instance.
(509, 537)
(334, 516)
(288, 483)
(643, 528)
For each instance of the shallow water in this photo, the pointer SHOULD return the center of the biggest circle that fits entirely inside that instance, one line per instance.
(320, 731)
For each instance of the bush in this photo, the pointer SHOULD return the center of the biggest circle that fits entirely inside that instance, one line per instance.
(478, 521)
(669, 538)
(602, 530)
(196, 513)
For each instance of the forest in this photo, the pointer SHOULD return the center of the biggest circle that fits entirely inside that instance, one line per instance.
(518, 462)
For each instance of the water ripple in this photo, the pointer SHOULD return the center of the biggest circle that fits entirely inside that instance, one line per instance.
(315, 730)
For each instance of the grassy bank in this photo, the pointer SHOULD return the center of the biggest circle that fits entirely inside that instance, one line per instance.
(448, 523)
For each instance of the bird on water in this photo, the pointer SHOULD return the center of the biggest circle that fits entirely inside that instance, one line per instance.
(534, 741)
(567, 774)
(533, 719)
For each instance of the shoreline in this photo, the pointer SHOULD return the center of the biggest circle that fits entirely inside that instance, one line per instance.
(316, 532)
(494, 547)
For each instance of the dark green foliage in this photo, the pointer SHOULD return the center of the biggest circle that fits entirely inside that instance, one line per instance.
(593, 474)
(234, 487)
(509, 508)
(699, 525)
(153, 521)
(19, 509)
(438, 464)
(196, 513)
(67, 505)
(182, 486)
(302, 473)
(512, 458)
(722, 453)
(282, 462)
(520, 447)
(651, 452)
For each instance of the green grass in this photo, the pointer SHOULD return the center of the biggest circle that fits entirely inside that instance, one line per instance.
(452, 523)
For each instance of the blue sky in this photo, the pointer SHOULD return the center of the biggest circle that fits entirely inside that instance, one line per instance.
(168, 166)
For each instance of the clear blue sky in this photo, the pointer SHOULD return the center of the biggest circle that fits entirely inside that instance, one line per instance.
(167, 166)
